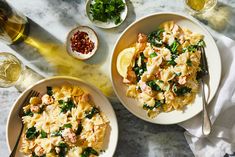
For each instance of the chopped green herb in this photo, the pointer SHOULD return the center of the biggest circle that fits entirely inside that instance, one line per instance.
(32, 133)
(154, 38)
(88, 151)
(157, 104)
(189, 62)
(104, 10)
(153, 85)
(140, 70)
(68, 125)
(49, 91)
(174, 46)
(91, 113)
(66, 106)
(201, 43)
(79, 129)
(172, 61)
(152, 55)
(147, 107)
(56, 133)
(192, 48)
(180, 91)
(28, 113)
(178, 74)
(43, 134)
(63, 149)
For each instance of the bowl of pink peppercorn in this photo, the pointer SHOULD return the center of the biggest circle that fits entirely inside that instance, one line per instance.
(82, 42)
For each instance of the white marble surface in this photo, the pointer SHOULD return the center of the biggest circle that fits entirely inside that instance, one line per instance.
(44, 51)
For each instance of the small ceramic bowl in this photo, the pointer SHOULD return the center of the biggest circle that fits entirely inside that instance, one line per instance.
(109, 24)
(92, 36)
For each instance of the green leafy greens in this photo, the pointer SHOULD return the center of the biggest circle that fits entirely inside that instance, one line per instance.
(92, 112)
(181, 90)
(154, 38)
(66, 105)
(88, 151)
(104, 10)
(32, 133)
(153, 85)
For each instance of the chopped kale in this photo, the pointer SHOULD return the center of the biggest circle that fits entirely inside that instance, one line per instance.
(174, 46)
(140, 70)
(43, 134)
(178, 74)
(152, 55)
(66, 106)
(28, 113)
(92, 112)
(201, 43)
(88, 151)
(181, 90)
(153, 85)
(56, 133)
(189, 62)
(79, 129)
(157, 104)
(32, 133)
(49, 91)
(154, 38)
(68, 125)
(63, 149)
(172, 61)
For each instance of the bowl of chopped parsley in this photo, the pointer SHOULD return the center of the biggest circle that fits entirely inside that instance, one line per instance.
(106, 13)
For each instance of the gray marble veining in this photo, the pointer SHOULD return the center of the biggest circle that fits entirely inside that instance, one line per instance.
(50, 22)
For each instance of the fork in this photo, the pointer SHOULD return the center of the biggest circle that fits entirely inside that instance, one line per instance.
(206, 123)
(32, 93)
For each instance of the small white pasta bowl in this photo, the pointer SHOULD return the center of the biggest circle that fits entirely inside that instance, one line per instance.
(14, 122)
(146, 25)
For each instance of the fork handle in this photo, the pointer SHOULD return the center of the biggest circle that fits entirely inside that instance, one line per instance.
(206, 124)
(17, 142)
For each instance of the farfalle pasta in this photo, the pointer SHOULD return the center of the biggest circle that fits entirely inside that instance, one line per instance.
(163, 68)
(63, 123)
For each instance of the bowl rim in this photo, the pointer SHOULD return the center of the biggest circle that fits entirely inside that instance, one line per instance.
(192, 19)
(105, 26)
(55, 78)
(67, 43)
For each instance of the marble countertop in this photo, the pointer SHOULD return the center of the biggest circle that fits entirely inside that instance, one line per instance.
(50, 23)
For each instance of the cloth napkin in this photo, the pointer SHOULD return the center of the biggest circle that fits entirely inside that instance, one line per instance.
(221, 141)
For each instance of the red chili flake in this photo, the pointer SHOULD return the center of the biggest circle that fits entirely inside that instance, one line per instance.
(80, 42)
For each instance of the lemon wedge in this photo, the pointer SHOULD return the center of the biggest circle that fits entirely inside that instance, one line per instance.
(124, 59)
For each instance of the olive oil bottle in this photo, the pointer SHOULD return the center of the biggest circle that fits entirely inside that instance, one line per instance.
(14, 27)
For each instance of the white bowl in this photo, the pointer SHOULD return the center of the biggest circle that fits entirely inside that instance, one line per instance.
(93, 37)
(14, 122)
(109, 24)
(147, 25)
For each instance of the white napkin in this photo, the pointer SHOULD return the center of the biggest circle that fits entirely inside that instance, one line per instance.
(221, 141)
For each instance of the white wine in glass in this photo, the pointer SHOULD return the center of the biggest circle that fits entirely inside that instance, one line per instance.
(200, 6)
(10, 69)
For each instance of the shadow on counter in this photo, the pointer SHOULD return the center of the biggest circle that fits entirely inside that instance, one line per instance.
(221, 19)
(49, 54)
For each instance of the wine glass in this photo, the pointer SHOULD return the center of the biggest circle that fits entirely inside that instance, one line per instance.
(14, 73)
(199, 6)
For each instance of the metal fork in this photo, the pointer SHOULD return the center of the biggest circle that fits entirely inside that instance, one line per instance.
(32, 93)
(206, 123)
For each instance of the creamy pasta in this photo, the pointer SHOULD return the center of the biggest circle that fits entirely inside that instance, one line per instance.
(162, 68)
(63, 123)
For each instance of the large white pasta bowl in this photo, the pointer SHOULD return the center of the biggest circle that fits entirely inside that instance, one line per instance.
(14, 122)
(146, 25)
